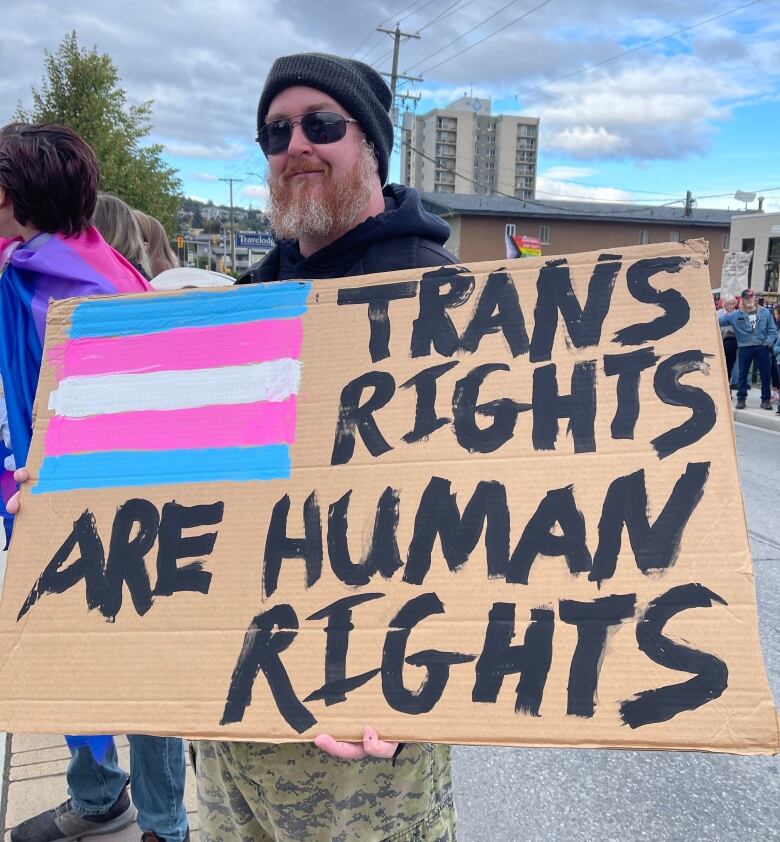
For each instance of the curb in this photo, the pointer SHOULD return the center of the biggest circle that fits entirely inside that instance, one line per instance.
(765, 421)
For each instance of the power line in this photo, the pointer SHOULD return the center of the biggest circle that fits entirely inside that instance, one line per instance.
(536, 203)
(367, 38)
(636, 48)
(384, 22)
(449, 10)
(416, 11)
(394, 16)
(488, 37)
(467, 32)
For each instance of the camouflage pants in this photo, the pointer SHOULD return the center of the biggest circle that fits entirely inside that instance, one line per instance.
(256, 792)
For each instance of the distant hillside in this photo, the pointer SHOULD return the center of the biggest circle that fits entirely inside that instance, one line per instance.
(211, 217)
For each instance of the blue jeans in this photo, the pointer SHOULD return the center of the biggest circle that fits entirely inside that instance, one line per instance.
(745, 357)
(157, 769)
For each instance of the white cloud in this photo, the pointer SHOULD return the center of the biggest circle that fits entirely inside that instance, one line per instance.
(664, 109)
(205, 152)
(547, 188)
(568, 172)
(203, 64)
(586, 142)
(255, 191)
(203, 176)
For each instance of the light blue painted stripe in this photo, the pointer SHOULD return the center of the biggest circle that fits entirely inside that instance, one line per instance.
(253, 302)
(170, 467)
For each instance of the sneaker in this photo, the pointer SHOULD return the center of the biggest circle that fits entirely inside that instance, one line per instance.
(153, 837)
(766, 404)
(741, 403)
(63, 824)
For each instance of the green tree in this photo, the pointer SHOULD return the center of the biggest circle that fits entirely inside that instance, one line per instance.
(80, 89)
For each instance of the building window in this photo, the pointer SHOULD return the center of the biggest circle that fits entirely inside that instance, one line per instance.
(644, 236)
(674, 236)
(510, 230)
(726, 240)
(544, 235)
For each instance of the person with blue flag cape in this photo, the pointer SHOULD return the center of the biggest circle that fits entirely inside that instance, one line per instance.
(50, 250)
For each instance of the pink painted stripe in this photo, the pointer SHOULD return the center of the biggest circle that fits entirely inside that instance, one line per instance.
(233, 425)
(181, 349)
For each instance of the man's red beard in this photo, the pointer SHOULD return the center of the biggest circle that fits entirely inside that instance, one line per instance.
(328, 210)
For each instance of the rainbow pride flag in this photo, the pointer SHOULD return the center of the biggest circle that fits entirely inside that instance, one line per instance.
(192, 387)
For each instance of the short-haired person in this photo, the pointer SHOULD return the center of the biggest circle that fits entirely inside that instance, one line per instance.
(49, 249)
(755, 329)
(323, 124)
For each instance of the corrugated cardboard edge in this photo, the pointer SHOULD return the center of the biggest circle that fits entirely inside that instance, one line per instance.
(5, 771)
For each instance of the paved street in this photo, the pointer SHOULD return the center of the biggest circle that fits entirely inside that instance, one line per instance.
(521, 795)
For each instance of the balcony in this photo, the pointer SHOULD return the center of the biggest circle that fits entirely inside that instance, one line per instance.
(445, 151)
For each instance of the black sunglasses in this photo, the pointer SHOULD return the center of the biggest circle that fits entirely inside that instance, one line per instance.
(318, 127)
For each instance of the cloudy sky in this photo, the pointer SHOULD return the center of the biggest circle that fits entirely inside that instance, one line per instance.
(627, 113)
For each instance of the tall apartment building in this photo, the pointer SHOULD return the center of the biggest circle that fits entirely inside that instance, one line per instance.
(465, 149)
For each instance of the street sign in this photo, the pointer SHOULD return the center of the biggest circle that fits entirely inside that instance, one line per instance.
(254, 240)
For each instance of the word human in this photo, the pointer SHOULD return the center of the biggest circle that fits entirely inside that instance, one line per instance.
(498, 309)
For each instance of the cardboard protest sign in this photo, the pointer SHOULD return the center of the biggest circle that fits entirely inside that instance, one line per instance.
(486, 504)
(735, 275)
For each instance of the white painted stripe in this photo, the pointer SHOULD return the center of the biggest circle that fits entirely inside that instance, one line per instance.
(79, 397)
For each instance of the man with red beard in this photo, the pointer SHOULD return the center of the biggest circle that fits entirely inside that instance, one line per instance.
(323, 123)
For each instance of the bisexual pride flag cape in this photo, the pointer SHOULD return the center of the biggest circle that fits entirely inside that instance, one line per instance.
(47, 266)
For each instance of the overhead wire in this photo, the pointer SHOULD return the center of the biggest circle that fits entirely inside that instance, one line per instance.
(388, 20)
(639, 47)
(464, 34)
(481, 40)
(534, 202)
(461, 4)
(416, 11)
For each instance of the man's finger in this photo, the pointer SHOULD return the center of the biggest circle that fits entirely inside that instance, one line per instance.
(376, 747)
(12, 506)
(345, 751)
(21, 475)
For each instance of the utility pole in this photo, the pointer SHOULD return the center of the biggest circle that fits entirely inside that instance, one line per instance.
(688, 203)
(232, 225)
(394, 74)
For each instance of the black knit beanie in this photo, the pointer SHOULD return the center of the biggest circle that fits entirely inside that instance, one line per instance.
(354, 85)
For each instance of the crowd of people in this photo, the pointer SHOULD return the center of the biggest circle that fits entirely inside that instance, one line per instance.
(323, 122)
(751, 344)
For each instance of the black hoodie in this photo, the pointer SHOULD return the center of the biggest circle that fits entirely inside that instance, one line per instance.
(404, 236)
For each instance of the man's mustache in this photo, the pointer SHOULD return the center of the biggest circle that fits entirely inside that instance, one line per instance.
(301, 165)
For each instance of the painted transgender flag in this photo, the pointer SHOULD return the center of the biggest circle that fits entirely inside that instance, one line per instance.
(194, 387)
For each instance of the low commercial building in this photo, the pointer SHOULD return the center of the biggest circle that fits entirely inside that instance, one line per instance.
(759, 233)
(480, 224)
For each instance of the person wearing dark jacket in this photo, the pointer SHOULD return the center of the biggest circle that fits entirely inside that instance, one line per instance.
(323, 123)
(404, 236)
